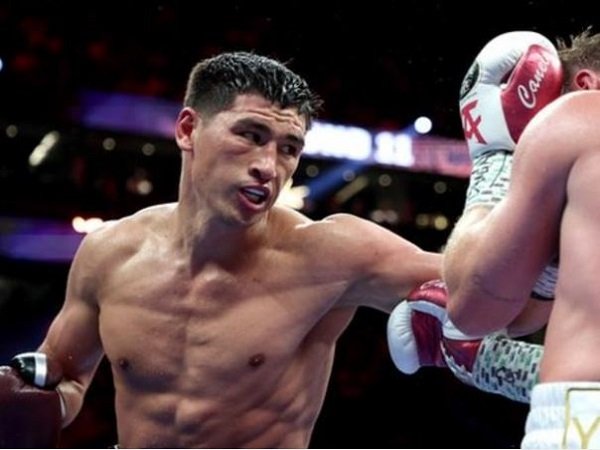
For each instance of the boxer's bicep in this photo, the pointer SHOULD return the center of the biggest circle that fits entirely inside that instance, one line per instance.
(389, 267)
(73, 337)
(396, 270)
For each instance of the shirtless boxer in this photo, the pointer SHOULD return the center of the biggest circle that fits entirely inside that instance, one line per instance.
(516, 72)
(550, 212)
(219, 314)
(489, 267)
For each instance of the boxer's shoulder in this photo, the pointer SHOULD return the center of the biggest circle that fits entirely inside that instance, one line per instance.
(302, 234)
(137, 226)
(351, 240)
(117, 240)
(569, 110)
(336, 229)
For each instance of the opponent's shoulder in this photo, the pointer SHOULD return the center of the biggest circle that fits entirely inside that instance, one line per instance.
(569, 112)
(580, 100)
(564, 129)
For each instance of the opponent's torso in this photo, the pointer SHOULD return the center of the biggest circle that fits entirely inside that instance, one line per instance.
(573, 333)
(235, 356)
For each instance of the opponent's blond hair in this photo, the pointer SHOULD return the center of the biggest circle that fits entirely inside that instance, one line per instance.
(581, 51)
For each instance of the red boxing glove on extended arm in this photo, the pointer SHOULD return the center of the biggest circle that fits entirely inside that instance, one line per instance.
(420, 333)
(30, 417)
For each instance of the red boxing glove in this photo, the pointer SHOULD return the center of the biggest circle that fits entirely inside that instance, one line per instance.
(420, 334)
(31, 408)
(29, 417)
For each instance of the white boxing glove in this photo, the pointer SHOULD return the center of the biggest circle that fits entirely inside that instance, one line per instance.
(512, 78)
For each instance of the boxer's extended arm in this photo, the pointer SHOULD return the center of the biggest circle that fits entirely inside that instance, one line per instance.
(384, 266)
(73, 339)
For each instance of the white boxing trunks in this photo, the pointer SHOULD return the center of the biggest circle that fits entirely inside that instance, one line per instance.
(563, 415)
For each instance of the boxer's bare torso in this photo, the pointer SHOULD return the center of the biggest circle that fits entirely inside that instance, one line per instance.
(238, 352)
(551, 208)
(573, 335)
(233, 354)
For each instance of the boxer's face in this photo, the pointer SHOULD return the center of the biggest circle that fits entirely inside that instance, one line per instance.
(243, 156)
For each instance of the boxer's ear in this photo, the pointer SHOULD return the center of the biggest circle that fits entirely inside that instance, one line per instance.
(184, 127)
(585, 79)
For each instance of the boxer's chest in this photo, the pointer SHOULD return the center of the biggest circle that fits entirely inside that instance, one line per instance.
(161, 320)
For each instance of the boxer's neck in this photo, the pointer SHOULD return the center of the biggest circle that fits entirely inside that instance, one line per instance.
(202, 238)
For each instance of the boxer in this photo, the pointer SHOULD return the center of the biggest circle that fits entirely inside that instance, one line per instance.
(549, 213)
(220, 313)
(513, 77)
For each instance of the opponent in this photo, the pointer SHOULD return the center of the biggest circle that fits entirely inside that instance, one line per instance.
(492, 262)
(219, 314)
(549, 213)
(514, 76)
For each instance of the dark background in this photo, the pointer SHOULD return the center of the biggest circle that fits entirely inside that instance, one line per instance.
(377, 65)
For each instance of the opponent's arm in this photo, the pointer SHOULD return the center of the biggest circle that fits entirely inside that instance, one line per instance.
(513, 77)
(520, 235)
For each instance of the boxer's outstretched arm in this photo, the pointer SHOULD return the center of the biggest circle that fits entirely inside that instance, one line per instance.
(73, 339)
(384, 266)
